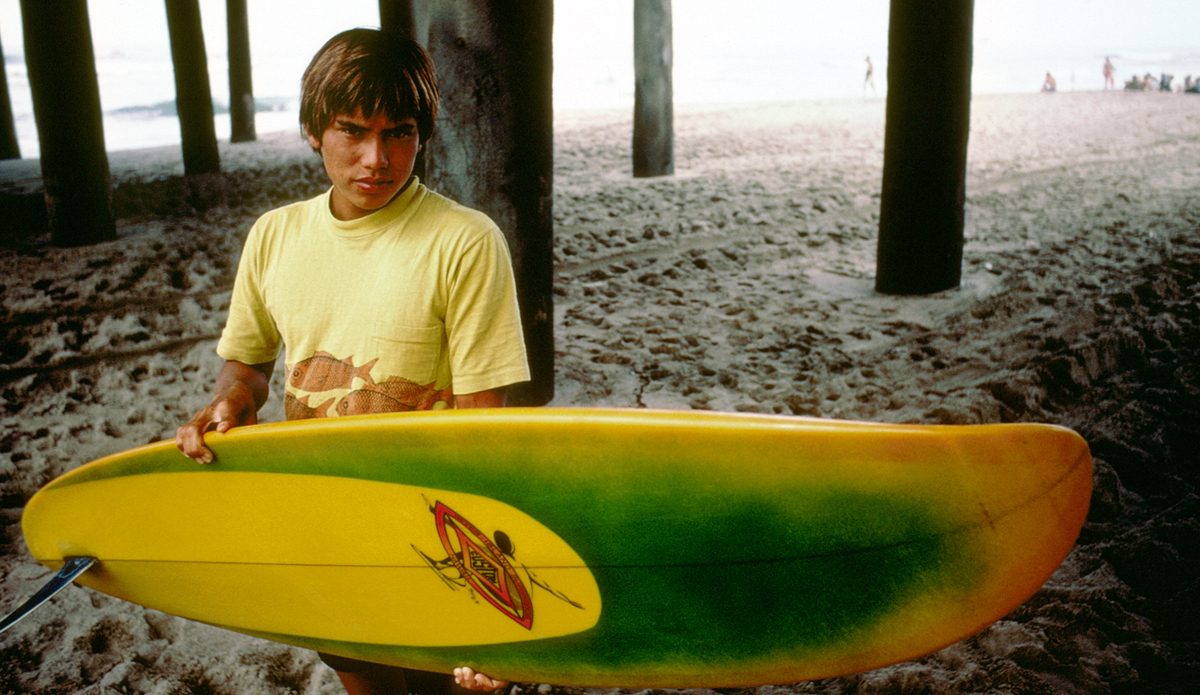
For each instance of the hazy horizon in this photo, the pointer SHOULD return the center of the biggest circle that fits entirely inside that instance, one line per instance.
(802, 39)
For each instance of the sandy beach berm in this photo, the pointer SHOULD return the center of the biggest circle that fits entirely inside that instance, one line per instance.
(742, 283)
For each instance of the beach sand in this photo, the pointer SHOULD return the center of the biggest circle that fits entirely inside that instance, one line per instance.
(742, 283)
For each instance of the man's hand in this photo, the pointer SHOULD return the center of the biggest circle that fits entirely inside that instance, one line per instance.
(240, 391)
(466, 677)
(221, 416)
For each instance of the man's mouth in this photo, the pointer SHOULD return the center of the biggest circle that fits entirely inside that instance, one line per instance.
(371, 186)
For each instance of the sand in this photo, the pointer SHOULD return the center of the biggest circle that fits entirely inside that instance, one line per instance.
(742, 283)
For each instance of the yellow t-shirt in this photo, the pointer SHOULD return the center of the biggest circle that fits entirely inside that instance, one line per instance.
(398, 310)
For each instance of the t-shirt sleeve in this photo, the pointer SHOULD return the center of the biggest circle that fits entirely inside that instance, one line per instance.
(483, 321)
(250, 334)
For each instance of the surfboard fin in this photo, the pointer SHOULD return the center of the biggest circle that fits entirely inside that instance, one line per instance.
(72, 568)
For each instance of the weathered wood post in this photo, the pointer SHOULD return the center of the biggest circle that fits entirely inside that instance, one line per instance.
(401, 16)
(66, 106)
(653, 99)
(494, 148)
(241, 86)
(193, 95)
(9, 149)
(925, 147)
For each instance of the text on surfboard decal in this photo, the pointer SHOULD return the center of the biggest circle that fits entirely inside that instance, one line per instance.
(482, 564)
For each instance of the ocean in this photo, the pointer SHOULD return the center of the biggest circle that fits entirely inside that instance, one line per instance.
(137, 90)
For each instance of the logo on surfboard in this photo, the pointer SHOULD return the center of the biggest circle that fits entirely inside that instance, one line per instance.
(486, 566)
(482, 564)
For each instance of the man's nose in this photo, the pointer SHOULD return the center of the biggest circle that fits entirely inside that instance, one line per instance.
(375, 155)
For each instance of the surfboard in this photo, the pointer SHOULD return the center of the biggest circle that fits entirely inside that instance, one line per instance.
(630, 548)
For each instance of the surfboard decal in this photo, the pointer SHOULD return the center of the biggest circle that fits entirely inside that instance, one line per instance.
(482, 564)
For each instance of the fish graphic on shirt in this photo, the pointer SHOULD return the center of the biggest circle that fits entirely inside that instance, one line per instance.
(395, 394)
(298, 408)
(324, 372)
(405, 391)
(418, 396)
(368, 400)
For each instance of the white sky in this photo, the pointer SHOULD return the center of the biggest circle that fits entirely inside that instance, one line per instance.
(590, 34)
(287, 25)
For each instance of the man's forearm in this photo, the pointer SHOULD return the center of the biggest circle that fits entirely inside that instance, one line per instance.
(239, 380)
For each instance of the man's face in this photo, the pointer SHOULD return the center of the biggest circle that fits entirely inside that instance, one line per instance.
(368, 160)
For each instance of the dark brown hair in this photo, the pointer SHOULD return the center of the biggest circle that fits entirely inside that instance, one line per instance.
(377, 71)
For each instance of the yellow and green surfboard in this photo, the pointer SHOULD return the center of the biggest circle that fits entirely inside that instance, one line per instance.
(626, 548)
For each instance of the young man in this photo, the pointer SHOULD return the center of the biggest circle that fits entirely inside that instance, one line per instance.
(384, 295)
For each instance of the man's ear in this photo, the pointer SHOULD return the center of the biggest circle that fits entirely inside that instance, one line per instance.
(313, 141)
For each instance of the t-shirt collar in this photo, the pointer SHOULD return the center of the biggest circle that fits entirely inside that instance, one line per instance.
(376, 221)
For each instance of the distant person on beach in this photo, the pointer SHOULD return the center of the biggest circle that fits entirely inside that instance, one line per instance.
(1164, 82)
(1049, 85)
(384, 295)
(1110, 81)
(870, 79)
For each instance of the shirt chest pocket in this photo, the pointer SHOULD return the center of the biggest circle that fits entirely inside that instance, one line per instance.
(409, 352)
